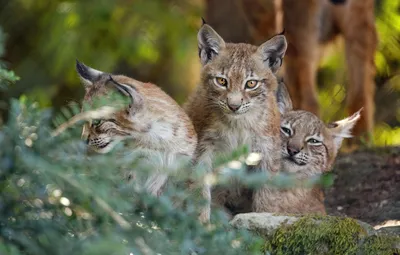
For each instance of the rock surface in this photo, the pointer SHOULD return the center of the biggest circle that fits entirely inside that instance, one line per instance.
(265, 223)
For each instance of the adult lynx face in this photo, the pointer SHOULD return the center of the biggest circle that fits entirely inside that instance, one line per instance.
(309, 146)
(238, 77)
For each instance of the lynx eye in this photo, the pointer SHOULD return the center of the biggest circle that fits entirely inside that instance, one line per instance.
(221, 81)
(313, 141)
(252, 84)
(286, 131)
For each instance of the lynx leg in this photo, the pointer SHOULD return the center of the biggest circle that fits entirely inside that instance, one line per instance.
(300, 20)
(205, 212)
(361, 41)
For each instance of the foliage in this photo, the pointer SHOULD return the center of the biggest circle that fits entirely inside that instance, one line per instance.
(148, 40)
(333, 79)
(62, 201)
(328, 235)
(6, 76)
(154, 41)
(380, 244)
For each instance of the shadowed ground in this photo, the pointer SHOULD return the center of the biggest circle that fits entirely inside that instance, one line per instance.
(367, 185)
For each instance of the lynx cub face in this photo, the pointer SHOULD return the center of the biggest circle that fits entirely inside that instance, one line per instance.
(237, 78)
(152, 123)
(152, 120)
(309, 146)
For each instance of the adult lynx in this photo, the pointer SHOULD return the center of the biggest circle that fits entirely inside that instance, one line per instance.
(235, 104)
(153, 122)
(309, 147)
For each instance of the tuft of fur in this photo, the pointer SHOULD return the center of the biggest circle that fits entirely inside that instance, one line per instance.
(309, 147)
(153, 124)
(227, 113)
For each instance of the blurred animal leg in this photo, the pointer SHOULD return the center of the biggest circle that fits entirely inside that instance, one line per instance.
(300, 20)
(361, 41)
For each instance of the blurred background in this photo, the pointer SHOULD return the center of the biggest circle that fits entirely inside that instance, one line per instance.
(155, 41)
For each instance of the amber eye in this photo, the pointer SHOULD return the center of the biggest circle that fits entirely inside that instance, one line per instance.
(251, 84)
(221, 81)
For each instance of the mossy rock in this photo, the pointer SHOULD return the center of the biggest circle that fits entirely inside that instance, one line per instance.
(316, 235)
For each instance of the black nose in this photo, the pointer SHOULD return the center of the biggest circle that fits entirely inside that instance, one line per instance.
(293, 150)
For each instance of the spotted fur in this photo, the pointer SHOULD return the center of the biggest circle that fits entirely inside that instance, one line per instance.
(309, 147)
(153, 124)
(231, 115)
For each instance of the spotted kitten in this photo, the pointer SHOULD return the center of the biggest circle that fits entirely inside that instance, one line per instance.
(309, 147)
(153, 123)
(235, 105)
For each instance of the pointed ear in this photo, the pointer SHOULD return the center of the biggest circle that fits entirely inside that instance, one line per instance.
(87, 74)
(210, 43)
(136, 100)
(283, 98)
(273, 51)
(342, 129)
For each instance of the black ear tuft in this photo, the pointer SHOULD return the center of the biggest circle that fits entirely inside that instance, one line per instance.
(203, 21)
(83, 70)
(87, 74)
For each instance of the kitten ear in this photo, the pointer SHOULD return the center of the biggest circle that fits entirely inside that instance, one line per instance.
(87, 74)
(210, 43)
(283, 98)
(273, 51)
(134, 95)
(342, 129)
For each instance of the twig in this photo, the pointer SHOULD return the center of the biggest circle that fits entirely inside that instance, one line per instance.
(101, 113)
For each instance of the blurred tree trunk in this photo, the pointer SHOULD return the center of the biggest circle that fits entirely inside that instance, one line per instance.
(249, 21)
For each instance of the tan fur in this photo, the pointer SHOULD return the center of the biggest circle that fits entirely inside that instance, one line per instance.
(153, 124)
(309, 24)
(305, 157)
(255, 123)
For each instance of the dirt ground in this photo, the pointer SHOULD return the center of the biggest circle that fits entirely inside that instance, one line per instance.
(366, 186)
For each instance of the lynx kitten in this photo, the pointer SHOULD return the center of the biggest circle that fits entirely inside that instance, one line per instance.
(235, 105)
(309, 147)
(153, 122)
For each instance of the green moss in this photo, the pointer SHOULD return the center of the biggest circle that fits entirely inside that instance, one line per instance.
(329, 235)
(317, 235)
(383, 244)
